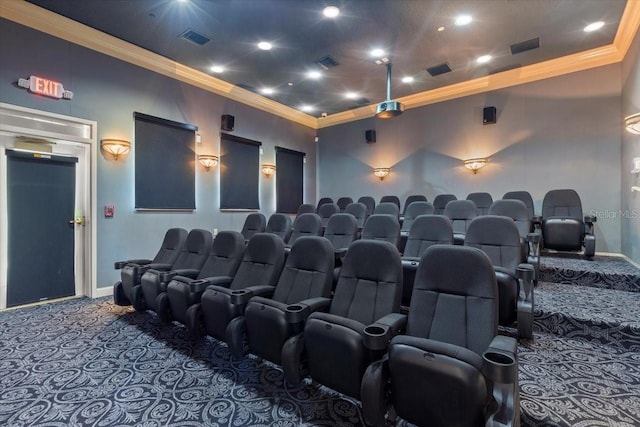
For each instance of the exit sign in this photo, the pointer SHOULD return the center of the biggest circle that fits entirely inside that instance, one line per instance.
(45, 87)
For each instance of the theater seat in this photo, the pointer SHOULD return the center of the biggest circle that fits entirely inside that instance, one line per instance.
(426, 231)
(154, 282)
(306, 208)
(280, 225)
(133, 269)
(410, 199)
(342, 230)
(323, 201)
(326, 210)
(387, 208)
(412, 212)
(382, 227)
(359, 212)
(257, 276)
(391, 199)
(461, 213)
(525, 197)
(440, 202)
(307, 224)
(332, 345)
(563, 226)
(451, 368)
(369, 202)
(482, 201)
(254, 223)
(498, 237)
(221, 265)
(343, 202)
(304, 286)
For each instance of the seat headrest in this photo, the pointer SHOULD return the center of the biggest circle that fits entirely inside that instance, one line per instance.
(418, 208)
(341, 223)
(370, 260)
(310, 253)
(387, 208)
(565, 202)
(431, 227)
(255, 221)
(264, 248)
(493, 230)
(198, 241)
(381, 226)
(357, 209)
(441, 200)
(460, 209)
(174, 238)
(228, 244)
(328, 209)
(482, 200)
(279, 222)
(514, 209)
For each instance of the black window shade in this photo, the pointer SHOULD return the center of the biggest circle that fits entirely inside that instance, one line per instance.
(239, 172)
(289, 180)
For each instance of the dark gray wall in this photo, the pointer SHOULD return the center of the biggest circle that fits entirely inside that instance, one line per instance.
(562, 132)
(629, 214)
(109, 91)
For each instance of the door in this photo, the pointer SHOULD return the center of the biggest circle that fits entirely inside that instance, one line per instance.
(40, 215)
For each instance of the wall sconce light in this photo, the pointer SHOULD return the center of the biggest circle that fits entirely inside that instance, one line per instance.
(381, 172)
(632, 123)
(208, 161)
(475, 164)
(268, 169)
(636, 165)
(115, 147)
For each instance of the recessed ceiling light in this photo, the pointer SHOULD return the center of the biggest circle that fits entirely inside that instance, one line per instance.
(290, 84)
(351, 95)
(407, 79)
(377, 53)
(314, 74)
(306, 108)
(267, 91)
(331, 11)
(265, 45)
(463, 20)
(594, 26)
(440, 29)
(217, 69)
(484, 59)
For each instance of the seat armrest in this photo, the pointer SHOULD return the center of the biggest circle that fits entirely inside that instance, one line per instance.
(536, 219)
(140, 269)
(340, 253)
(242, 296)
(525, 272)
(298, 312)
(377, 335)
(159, 266)
(118, 265)
(590, 219)
(187, 272)
(499, 361)
(533, 238)
(165, 276)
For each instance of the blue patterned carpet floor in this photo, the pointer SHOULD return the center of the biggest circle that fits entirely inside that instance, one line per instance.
(86, 362)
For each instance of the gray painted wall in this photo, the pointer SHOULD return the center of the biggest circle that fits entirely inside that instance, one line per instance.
(630, 209)
(562, 132)
(109, 91)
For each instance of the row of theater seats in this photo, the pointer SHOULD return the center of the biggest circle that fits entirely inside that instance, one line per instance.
(562, 224)
(442, 364)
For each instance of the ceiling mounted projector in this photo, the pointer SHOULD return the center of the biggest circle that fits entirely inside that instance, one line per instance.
(389, 108)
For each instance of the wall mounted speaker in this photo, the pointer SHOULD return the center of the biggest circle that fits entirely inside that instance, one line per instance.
(227, 122)
(488, 115)
(370, 136)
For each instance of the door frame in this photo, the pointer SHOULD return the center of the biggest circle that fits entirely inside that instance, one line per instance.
(80, 133)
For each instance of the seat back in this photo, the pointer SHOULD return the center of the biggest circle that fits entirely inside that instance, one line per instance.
(195, 250)
(461, 213)
(342, 229)
(280, 225)
(498, 237)
(225, 256)
(483, 202)
(382, 227)
(359, 212)
(414, 210)
(426, 231)
(391, 199)
(326, 210)
(370, 282)
(440, 202)
(516, 210)
(524, 197)
(387, 208)
(172, 243)
(369, 202)
(410, 199)
(262, 262)
(455, 298)
(308, 272)
(343, 202)
(306, 208)
(323, 201)
(254, 223)
(307, 224)
(562, 204)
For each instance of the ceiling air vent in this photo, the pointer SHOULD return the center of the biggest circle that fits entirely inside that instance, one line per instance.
(327, 62)
(195, 37)
(436, 70)
(525, 46)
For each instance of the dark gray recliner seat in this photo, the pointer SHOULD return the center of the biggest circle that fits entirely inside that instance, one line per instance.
(391, 199)
(359, 212)
(410, 199)
(325, 211)
(305, 208)
(563, 226)
(440, 202)
(482, 201)
(332, 345)
(525, 197)
(322, 201)
(257, 275)
(448, 370)
(280, 225)
(343, 202)
(498, 237)
(412, 211)
(426, 231)
(254, 223)
(387, 208)
(461, 213)
(342, 230)
(154, 282)
(184, 293)
(382, 227)
(369, 202)
(133, 269)
(307, 224)
(304, 286)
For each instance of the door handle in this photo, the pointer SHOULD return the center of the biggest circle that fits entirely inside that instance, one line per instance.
(77, 221)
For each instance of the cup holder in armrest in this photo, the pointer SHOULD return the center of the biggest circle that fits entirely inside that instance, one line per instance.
(376, 337)
(296, 313)
(166, 276)
(240, 296)
(499, 367)
(525, 272)
(198, 285)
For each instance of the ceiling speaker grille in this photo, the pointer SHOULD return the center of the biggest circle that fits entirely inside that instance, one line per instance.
(436, 70)
(327, 62)
(525, 46)
(195, 37)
